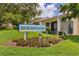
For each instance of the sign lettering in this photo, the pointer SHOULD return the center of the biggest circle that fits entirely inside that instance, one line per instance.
(28, 28)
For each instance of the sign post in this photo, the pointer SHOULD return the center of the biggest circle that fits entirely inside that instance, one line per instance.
(40, 34)
(25, 33)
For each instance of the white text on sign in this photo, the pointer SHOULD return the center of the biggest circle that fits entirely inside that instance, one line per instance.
(28, 28)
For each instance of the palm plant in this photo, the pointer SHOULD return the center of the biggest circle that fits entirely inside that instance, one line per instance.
(70, 11)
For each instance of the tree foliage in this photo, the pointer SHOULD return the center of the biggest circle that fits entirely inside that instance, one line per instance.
(18, 13)
(70, 11)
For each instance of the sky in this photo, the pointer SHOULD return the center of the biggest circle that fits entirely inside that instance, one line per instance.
(49, 10)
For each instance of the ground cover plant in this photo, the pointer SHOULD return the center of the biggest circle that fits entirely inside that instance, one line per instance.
(34, 42)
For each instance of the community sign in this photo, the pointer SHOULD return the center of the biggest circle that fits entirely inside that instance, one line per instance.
(34, 28)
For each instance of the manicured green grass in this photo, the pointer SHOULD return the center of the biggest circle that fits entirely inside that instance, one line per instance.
(6, 35)
(68, 47)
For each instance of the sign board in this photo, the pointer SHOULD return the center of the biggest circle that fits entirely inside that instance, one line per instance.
(34, 28)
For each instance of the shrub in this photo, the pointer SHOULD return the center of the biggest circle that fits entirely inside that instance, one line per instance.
(7, 26)
(60, 33)
(48, 30)
(33, 42)
(43, 44)
(21, 42)
(55, 40)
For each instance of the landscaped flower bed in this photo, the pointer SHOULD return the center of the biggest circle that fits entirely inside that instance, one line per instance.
(34, 42)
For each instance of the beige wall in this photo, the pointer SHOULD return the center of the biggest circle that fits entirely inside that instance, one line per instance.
(78, 27)
(75, 27)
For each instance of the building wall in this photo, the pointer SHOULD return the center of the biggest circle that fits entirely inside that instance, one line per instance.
(78, 26)
(64, 26)
(75, 26)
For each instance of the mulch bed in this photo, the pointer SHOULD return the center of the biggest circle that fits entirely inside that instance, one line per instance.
(33, 42)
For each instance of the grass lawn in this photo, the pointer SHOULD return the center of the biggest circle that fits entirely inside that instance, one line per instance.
(69, 47)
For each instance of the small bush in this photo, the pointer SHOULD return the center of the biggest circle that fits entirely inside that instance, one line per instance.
(21, 42)
(55, 41)
(43, 44)
(48, 30)
(60, 33)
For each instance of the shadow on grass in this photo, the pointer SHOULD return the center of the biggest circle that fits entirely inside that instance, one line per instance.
(74, 38)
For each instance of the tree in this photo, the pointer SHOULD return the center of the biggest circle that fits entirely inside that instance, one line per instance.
(70, 11)
(12, 18)
(29, 11)
(16, 13)
(25, 10)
